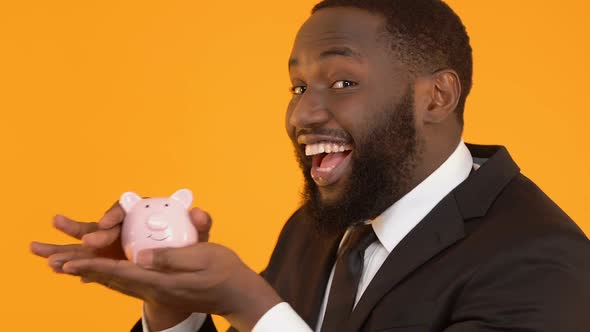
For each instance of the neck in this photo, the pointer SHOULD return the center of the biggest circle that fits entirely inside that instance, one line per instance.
(431, 154)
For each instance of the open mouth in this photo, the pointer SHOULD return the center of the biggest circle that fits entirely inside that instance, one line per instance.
(330, 161)
(156, 238)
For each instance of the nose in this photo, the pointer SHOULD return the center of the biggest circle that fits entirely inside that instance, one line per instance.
(309, 111)
(156, 223)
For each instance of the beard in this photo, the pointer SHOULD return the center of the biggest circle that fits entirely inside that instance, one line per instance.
(382, 166)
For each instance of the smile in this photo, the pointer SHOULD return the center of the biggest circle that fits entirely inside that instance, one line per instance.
(151, 236)
(329, 161)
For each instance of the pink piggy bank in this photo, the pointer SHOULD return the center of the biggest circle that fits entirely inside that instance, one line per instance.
(156, 222)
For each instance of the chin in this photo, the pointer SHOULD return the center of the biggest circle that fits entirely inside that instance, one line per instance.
(330, 197)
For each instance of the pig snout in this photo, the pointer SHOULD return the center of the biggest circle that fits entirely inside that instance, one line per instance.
(157, 222)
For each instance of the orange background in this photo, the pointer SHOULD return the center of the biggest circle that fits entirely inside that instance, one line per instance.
(101, 97)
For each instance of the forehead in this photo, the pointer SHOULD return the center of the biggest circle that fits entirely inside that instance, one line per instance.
(347, 30)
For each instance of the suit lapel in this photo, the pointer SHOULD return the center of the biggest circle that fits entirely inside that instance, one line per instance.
(442, 227)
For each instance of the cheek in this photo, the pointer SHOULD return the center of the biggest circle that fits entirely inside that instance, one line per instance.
(288, 127)
(135, 225)
(354, 113)
(140, 219)
(179, 226)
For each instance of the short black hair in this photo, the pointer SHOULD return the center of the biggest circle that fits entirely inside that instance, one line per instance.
(426, 35)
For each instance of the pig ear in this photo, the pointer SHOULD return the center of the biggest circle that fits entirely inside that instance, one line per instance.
(184, 196)
(128, 200)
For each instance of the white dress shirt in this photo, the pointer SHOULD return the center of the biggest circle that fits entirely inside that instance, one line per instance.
(391, 227)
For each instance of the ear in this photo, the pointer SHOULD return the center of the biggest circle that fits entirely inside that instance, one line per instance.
(128, 200)
(445, 95)
(184, 196)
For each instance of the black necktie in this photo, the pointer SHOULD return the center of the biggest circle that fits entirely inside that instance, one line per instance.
(349, 267)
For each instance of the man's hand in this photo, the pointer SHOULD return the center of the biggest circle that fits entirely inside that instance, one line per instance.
(204, 277)
(98, 239)
(173, 282)
(102, 239)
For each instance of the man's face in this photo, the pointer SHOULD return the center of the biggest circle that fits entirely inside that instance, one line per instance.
(351, 117)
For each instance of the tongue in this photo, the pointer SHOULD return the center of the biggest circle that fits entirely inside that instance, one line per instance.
(333, 159)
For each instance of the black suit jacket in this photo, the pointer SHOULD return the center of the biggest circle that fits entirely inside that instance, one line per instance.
(496, 254)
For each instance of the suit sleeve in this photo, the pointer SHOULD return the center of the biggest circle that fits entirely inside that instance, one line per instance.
(543, 286)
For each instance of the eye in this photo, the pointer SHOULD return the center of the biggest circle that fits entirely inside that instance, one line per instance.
(166, 205)
(298, 90)
(147, 206)
(343, 84)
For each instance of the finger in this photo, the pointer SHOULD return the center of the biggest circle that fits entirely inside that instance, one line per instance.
(47, 249)
(108, 267)
(186, 259)
(120, 275)
(114, 216)
(56, 261)
(73, 228)
(202, 221)
(110, 271)
(101, 238)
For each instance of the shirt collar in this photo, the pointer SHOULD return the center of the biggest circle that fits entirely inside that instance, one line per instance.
(400, 218)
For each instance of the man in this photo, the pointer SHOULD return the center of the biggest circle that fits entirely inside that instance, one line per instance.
(404, 227)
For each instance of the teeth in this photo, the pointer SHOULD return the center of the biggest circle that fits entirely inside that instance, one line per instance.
(325, 147)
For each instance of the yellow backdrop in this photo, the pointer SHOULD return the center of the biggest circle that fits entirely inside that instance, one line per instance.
(101, 97)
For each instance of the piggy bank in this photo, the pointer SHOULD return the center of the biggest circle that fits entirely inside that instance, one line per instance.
(156, 222)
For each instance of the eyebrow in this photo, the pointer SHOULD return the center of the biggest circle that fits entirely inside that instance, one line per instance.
(341, 51)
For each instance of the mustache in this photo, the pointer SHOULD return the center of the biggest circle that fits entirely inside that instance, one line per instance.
(338, 133)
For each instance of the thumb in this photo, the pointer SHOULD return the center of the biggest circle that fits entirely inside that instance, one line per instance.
(202, 222)
(112, 217)
(186, 259)
(102, 238)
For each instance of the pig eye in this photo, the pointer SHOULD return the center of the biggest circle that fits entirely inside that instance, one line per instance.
(147, 206)
(166, 205)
